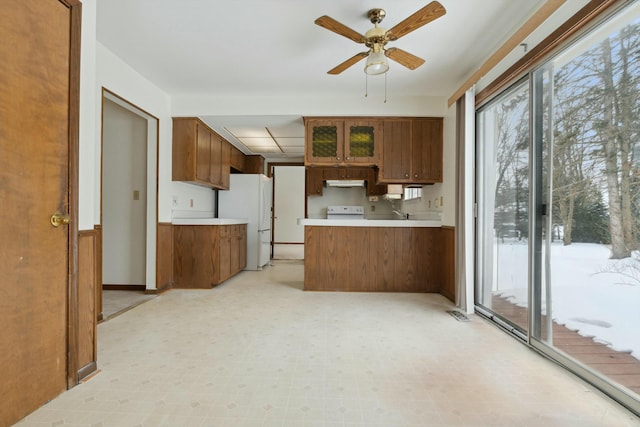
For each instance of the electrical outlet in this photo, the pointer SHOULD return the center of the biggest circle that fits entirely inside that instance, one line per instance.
(190, 203)
(373, 198)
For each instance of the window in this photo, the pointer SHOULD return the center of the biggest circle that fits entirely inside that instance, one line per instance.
(412, 193)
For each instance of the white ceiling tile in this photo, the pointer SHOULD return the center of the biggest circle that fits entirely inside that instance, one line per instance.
(293, 130)
(286, 142)
(249, 132)
(266, 141)
(299, 150)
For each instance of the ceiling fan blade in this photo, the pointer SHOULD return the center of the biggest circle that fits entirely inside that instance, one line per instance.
(404, 58)
(348, 63)
(430, 12)
(338, 28)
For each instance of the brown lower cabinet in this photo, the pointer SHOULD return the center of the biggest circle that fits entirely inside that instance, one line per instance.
(207, 255)
(376, 259)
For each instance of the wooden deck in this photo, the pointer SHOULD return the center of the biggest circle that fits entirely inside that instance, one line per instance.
(621, 367)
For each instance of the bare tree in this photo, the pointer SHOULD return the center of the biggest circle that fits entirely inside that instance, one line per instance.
(596, 123)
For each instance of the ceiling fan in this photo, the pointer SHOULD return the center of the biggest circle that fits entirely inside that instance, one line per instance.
(377, 37)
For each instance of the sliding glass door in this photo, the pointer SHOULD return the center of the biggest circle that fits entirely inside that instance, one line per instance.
(503, 220)
(558, 193)
(588, 129)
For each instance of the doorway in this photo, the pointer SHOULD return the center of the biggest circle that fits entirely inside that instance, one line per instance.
(288, 206)
(128, 204)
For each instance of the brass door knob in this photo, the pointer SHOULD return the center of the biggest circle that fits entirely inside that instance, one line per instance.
(58, 219)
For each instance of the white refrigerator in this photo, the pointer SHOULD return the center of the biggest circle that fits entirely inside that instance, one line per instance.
(249, 196)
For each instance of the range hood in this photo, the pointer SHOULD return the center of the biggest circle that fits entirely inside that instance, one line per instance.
(345, 183)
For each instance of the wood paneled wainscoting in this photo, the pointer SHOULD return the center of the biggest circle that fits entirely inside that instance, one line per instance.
(164, 257)
(448, 265)
(89, 298)
(375, 259)
(380, 259)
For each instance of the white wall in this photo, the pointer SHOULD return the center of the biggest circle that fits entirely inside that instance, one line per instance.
(212, 105)
(88, 141)
(119, 78)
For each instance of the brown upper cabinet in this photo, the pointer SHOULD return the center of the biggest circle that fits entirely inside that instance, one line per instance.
(342, 141)
(412, 151)
(237, 158)
(200, 156)
(242, 163)
(254, 164)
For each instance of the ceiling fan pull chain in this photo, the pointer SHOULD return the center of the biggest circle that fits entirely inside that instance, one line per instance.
(366, 85)
(385, 88)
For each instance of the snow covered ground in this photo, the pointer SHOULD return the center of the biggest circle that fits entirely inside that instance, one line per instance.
(590, 293)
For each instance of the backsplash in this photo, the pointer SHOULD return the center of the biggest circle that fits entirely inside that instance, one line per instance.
(429, 206)
(337, 196)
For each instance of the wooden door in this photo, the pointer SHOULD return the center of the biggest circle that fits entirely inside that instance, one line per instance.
(314, 181)
(225, 164)
(215, 158)
(38, 155)
(224, 263)
(396, 152)
(243, 246)
(426, 148)
(203, 154)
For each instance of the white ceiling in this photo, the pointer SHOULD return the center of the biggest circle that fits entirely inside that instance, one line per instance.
(259, 47)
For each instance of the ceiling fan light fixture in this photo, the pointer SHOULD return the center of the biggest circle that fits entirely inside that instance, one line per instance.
(376, 64)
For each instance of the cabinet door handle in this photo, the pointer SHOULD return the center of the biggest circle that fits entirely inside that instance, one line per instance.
(347, 158)
(406, 175)
(337, 158)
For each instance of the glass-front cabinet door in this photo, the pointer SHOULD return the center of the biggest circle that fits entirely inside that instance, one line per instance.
(362, 141)
(325, 142)
(333, 142)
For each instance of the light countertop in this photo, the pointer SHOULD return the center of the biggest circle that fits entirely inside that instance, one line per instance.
(368, 222)
(209, 221)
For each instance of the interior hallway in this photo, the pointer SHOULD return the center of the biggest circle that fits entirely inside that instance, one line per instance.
(116, 302)
(257, 351)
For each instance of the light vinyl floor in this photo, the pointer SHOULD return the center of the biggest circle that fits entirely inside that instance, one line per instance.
(258, 351)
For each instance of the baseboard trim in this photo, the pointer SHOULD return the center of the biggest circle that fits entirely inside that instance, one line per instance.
(162, 289)
(113, 287)
(87, 370)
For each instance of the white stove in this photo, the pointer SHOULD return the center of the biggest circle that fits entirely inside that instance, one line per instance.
(345, 212)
